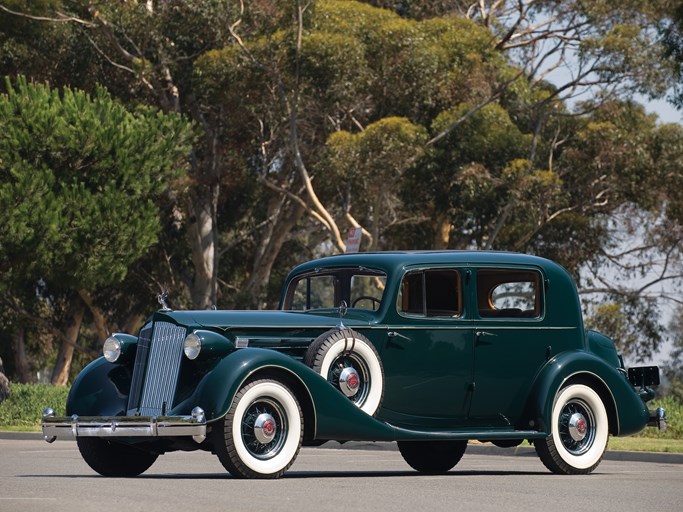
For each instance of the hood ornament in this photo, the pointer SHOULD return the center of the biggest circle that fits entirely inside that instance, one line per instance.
(161, 298)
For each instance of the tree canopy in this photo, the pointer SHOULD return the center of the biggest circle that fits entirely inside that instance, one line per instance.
(79, 179)
(428, 124)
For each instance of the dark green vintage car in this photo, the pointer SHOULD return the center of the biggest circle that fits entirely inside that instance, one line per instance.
(429, 349)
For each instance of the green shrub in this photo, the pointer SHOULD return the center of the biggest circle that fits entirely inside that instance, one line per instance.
(23, 409)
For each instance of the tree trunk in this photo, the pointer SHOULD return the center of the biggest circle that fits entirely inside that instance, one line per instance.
(60, 374)
(271, 244)
(99, 318)
(443, 233)
(21, 365)
(203, 246)
(133, 323)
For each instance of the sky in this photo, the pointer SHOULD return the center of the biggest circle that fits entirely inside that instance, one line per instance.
(666, 111)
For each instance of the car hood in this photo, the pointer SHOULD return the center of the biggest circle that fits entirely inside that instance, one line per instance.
(230, 320)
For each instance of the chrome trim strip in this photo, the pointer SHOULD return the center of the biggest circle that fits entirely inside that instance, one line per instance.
(123, 426)
(477, 325)
(468, 325)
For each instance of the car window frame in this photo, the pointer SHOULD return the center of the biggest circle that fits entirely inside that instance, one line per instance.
(542, 289)
(462, 279)
(338, 287)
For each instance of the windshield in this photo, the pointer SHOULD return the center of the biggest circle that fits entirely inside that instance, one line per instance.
(360, 288)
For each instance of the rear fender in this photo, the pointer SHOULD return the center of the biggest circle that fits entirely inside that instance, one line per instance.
(627, 412)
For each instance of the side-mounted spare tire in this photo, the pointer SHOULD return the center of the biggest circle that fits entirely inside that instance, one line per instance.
(350, 363)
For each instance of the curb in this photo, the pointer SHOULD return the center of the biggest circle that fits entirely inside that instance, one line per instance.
(520, 451)
(474, 449)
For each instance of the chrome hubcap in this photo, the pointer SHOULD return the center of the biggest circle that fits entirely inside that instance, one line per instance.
(349, 381)
(265, 428)
(577, 426)
(350, 374)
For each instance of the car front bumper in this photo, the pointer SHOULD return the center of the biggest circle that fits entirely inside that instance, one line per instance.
(124, 426)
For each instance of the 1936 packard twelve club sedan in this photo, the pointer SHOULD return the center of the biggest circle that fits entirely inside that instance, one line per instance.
(428, 349)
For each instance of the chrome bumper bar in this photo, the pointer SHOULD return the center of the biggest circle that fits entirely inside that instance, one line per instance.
(658, 419)
(124, 426)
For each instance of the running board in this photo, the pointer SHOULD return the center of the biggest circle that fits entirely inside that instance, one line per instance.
(480, 435)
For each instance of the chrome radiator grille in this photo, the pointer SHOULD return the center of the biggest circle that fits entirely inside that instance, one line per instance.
(157, 366)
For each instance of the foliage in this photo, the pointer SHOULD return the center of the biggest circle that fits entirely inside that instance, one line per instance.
(430, 124)
(78, 178)
(79, 181)
(26, 403)
(673, 369)
(628, 322)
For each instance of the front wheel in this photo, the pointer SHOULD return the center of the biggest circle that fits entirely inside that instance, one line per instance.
(114, 459)
(579, 434)
(262, 431)
(432, 457)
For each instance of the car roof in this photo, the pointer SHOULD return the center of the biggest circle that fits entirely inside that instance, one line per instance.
(391, 260)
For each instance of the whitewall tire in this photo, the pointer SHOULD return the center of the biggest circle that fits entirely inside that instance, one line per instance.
(579, 432)
(262, 432)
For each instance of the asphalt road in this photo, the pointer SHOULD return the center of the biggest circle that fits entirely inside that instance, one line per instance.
(35, 476)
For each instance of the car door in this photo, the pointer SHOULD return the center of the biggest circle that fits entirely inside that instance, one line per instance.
(428, 353)
(511, 343)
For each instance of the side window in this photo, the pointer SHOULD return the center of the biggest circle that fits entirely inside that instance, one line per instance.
(509, 293)
(367, 291)
(431, 293)
(314, 293)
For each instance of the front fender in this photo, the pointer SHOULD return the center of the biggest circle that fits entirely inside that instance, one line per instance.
(101, 389)
(335, 416)
(627, 411)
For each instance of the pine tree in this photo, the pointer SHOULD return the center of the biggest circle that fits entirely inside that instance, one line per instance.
(78, 180)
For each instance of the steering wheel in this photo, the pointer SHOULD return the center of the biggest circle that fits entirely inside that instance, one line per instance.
(375, 301)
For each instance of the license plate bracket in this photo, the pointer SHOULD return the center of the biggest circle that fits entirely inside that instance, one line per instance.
(644, 376)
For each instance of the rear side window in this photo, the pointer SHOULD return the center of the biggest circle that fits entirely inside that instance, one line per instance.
(431, 293)
(509, 293)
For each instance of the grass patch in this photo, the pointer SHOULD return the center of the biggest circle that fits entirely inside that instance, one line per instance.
(645, 444)
(23, 410)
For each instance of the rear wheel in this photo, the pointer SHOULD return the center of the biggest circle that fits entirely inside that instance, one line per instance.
(579, 434)
(432, 457)
(114, 459)
(262, 431)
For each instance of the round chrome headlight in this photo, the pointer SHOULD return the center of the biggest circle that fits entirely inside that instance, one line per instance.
(192, 346)
(111, 349)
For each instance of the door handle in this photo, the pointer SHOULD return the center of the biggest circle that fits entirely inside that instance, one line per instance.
(480, 334)
(394, 334)
(396, 340)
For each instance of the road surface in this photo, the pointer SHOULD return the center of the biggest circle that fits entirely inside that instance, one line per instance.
(35, 476)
